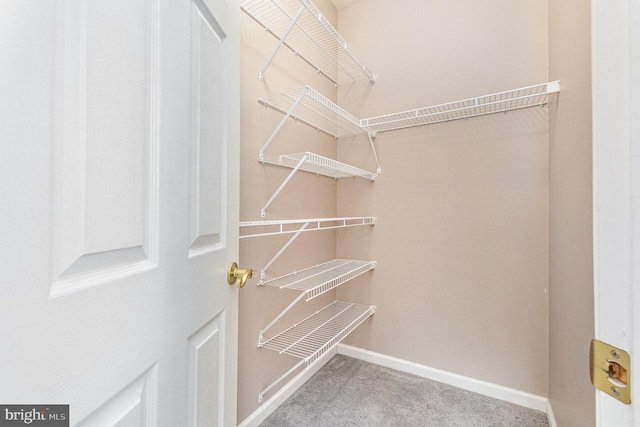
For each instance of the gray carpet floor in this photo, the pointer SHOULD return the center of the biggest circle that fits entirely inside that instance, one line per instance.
(352, 393)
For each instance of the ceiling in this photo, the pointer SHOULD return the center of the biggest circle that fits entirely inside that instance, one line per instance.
(341, 4)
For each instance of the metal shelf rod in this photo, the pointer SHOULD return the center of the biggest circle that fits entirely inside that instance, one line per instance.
(317, 222)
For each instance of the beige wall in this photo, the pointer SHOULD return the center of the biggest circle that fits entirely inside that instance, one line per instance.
(462, 234)
(571, 267)
(306, 196)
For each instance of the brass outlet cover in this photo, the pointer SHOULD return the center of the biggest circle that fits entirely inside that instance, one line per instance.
(610, 369)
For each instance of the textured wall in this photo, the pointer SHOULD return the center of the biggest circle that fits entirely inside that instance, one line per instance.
(462, 232)
(571, 266)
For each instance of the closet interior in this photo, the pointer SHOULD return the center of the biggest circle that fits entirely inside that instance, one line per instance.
(299, 26)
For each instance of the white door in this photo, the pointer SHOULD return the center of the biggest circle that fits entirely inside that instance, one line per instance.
(616, 138)
(119, 134)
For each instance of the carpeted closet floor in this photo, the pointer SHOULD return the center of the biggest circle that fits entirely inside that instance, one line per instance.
(349, 392)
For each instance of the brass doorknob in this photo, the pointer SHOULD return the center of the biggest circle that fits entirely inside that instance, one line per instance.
(238, 276)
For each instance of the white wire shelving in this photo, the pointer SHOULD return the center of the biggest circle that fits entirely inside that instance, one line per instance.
(530, 96)
(316, 280)
(311, 107)
(299, 25)
(296, 226)
(314, 336)
(307, 105)
(314, 163)
(317, 334)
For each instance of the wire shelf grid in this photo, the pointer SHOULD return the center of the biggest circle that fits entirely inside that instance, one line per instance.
(315, 110)
(300, 26)
(314, 163)
(318, 333)
(316, 280)
(526, 97)
(292, 226)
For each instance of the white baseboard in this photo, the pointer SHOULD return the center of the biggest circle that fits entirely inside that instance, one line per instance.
(552, 418)
(269, 406)
(517, 397)
(507, 394)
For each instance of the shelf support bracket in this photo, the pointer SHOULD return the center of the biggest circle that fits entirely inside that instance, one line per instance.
(279, 380)
(281, 251)
(373, 149)
(280, 43)
(286, 116)
(284, 183)
(278, 317)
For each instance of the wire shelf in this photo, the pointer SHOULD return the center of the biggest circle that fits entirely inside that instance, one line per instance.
(316, 280)
(312, 108)
(314, 163)
(299, 25)
(314, 336)
(318, 333)
(315, 110)
(286, 226)
(526, 97)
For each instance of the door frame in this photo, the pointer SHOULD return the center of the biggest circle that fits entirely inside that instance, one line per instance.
(615, 32)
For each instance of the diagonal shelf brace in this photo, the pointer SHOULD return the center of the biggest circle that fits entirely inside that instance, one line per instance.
(281, 251)
(280, 43)
(278, 317)
(316, 164)
(284, 183)
(286, 116)
(370, 135)
(279, 380)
